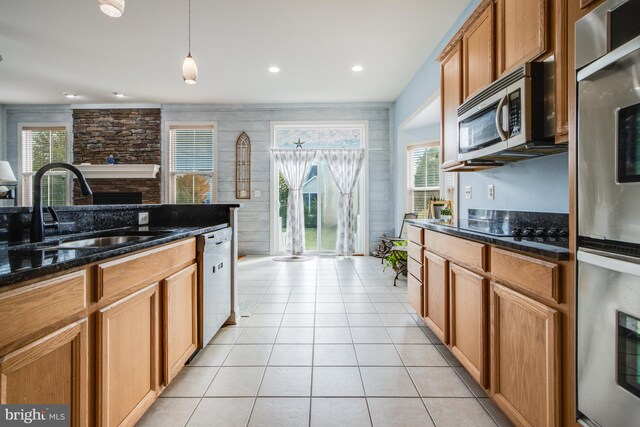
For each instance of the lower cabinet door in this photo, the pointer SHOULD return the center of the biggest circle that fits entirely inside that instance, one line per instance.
(52, 370)
(469, 314)
(127, 358)
(415, 294)
(180, 320)
(525, 361)
(436, 295)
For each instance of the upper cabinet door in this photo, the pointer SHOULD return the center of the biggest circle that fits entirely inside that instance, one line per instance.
(522, 31)
(479, 56)
(451, 93)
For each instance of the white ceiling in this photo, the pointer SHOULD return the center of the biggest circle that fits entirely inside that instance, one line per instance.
(50, 47)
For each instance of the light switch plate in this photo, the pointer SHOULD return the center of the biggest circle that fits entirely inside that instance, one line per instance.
(491, 192)
(143, 218)
(467, 192)
(257, 193)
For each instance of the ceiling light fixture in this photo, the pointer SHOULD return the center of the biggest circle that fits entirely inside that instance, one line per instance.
(357, 68)
(274, 69)
(189, 67)
(118, 94)
(112, 8)
(69, 95)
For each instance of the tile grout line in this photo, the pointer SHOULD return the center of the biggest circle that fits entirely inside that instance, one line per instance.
(255, 399)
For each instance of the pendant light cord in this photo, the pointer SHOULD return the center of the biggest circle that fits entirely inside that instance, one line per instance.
(189, 27)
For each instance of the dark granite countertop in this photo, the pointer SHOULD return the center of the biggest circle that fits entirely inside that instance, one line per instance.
(19, 263)
(557, 251)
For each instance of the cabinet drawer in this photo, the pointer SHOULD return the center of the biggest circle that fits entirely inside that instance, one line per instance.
(141, 269)
(414, 251)
(415, 268)
(415, 234)
(28, 309)
(415, 292)
(536, 276)
(462, 251)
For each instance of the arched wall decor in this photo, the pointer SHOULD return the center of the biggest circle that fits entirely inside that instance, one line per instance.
(243, 167)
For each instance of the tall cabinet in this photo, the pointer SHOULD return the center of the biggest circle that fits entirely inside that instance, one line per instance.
(478, 50)
(451, 95)
(522, 31)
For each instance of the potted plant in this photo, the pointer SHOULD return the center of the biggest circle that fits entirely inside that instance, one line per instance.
(397, 258)
(446, 213)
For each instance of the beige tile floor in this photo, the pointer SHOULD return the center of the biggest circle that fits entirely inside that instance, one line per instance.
(327, 342)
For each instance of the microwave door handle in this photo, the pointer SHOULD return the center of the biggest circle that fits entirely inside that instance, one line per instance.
(500, 118)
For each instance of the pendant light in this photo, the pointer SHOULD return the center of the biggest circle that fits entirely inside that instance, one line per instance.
(112, 8)
(189, 67)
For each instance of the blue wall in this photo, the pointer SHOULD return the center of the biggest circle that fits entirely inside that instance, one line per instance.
(540, 185)
(424, 85)
(533, 185)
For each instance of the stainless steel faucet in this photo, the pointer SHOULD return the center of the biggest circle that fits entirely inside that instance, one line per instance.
(37, 221)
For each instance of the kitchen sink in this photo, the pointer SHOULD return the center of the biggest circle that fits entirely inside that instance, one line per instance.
(101, 242)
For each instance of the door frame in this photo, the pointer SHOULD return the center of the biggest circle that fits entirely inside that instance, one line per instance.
(273, 172)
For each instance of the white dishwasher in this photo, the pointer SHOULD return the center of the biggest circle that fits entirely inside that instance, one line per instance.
(216, 281)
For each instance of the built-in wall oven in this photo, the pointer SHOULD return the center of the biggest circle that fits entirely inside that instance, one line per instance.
(509, 120)
(608, 329)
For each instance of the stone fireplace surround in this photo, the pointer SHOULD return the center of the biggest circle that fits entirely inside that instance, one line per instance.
(132, 135)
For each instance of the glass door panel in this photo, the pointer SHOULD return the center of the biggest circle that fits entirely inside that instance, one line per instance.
(329, 201)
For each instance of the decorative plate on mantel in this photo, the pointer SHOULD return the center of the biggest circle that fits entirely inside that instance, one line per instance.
(131, 171)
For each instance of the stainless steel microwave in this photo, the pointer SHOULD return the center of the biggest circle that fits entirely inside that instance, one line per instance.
(509, 120)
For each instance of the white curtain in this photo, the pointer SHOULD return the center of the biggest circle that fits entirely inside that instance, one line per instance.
(294, 165)
(345, 166)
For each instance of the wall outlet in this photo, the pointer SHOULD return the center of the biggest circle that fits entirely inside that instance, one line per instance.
(143, 218)
(257, 193)
(467, 192)
(491, 192)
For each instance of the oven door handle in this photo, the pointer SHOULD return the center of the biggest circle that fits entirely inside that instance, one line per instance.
(618, 263)
(499, 118)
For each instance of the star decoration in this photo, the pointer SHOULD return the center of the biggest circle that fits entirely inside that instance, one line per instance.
(299, 143)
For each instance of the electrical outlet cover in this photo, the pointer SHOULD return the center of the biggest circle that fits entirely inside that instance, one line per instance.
(491, 192)
(467, 192)
(143, 218)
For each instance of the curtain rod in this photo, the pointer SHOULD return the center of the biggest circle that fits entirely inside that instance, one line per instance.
(320, 149)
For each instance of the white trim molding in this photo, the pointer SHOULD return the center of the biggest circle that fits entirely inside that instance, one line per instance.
(107, 171)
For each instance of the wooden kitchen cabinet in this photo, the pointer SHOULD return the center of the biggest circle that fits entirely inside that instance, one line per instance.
(51, 370)
(451, 97)
(525, 360)
(469, 314)
(522, 31)
(127, 358)
(478, 50)
(180, 320)
(436, 294)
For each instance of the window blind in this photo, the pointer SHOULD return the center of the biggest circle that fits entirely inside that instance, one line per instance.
(191, 164)
(39, 147)
(423, 178)
(192, 149)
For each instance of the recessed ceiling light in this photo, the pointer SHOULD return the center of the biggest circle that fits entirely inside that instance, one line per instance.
(357, 68)
(69, 95)
(274, 69)
(112, 8)
(118, 94)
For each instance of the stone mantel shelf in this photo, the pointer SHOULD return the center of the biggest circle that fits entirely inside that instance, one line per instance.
(129, 171)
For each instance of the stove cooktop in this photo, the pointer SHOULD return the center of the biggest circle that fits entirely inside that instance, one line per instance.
(519, 232)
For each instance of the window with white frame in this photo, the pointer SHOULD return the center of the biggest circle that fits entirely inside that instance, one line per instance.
(40, 146)
(191, 164)
(424, 177)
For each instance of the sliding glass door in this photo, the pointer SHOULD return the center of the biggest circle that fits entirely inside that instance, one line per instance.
(320, 193)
